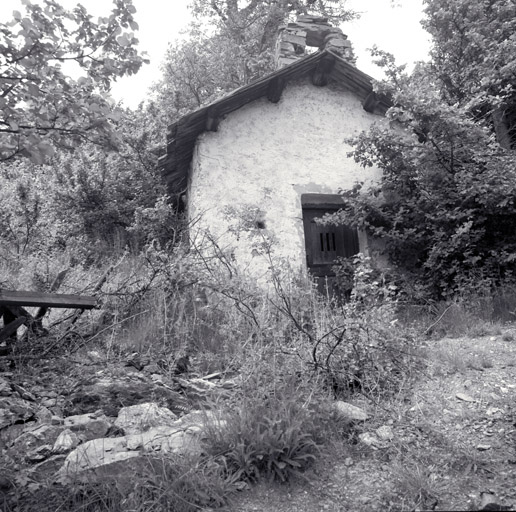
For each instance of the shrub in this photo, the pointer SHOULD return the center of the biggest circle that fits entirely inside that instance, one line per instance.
(356, 345)
(271, 437)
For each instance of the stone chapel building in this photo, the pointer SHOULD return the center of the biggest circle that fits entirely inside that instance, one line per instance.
(264, 161)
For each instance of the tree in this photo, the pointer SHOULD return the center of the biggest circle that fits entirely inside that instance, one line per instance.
(89, 202)
(21, 204)
(42, 105)
(474, 59)
(230, 45)
(446, 202)
(97, 194)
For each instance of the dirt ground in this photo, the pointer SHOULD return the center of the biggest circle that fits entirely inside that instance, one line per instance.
(454, 437)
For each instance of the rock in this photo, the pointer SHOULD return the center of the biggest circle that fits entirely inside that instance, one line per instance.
(9, 435)
(95, 356)
(385, 433)
(200, 419)
(137, 361)
(34, 436)
(152, 368)
(43, 415)
(369, 439)
(48, 393)
(488, 501)
(78, 421)
(5, 483)
(464, 397)
(14, 409)
(49, 402)
(89, 426)
(182, 365)
(56, 420)
(111, 395)
(100, 452)
(349, 412)
(94, 453)
(139, 418)
(164, 440)
(483, 447)
(5, 387)
(39, 454)
(230, 384)
(23, 392)
(66, 441)
(38, 390)
(378, 439)
(196, 386)
(203, 384)
(43, 471)
(181, 436)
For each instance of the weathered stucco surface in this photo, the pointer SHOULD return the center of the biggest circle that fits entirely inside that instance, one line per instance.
(250, 174)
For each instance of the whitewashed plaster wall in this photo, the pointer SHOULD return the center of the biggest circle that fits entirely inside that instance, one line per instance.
(260, 161)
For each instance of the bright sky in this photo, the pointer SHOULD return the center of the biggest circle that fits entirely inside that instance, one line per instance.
(394, 29)
(393, 26)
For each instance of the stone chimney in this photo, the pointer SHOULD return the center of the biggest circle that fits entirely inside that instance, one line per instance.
(314, 31)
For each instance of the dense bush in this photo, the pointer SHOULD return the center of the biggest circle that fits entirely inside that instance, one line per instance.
(446, 202)
(447, 217)
(86, 203)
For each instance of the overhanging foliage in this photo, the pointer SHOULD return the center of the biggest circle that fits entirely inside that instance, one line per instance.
(446, 202)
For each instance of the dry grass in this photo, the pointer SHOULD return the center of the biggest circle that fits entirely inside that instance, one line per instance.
(447, 356)
(417, 484)
(293, 351)
(471, 317)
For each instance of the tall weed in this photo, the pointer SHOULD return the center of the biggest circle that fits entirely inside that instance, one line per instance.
(275, 432)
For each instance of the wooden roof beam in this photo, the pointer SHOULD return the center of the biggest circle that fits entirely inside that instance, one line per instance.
(322, 71)
(212, 120)
(275, 89)
(371, 102)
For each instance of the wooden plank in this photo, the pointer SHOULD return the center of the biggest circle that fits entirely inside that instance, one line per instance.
(34, 325)
(10, 329)
(322, 201)
(8, 317)
(51, 300)
(13, 312)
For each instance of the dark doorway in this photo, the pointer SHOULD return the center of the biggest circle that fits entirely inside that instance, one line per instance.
(325, 243)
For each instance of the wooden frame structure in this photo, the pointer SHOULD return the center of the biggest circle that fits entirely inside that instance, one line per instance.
(15, 315)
